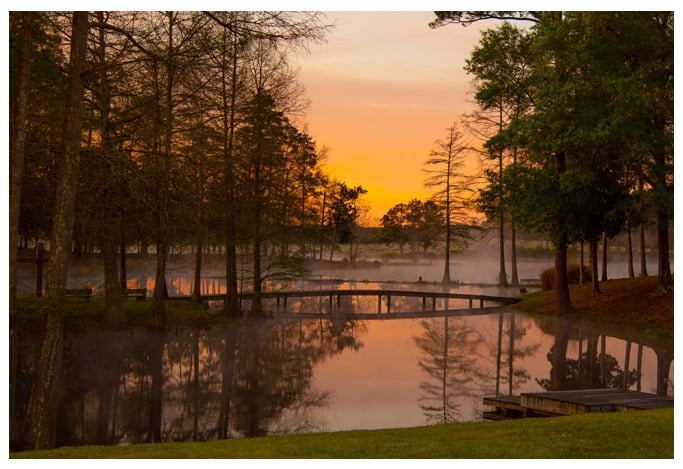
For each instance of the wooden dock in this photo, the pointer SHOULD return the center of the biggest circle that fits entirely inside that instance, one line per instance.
(554, 403)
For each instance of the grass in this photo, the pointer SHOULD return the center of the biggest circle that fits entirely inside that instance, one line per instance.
(81, 315)
(642, 434)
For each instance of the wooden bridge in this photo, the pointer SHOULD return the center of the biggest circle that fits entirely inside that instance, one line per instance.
(334, 298)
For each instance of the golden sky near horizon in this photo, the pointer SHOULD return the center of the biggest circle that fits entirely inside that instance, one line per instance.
(382, 89)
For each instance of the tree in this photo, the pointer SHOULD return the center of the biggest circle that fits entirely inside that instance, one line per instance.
(261, 145)
(343, 213)
(238, 33)
(394, 226)
(501, 65)
(445, 174)
(22, 22)
(40, 424)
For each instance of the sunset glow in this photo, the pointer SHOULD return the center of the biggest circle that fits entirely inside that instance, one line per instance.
(382, 90)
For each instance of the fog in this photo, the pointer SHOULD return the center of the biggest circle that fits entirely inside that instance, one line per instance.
(474, 269)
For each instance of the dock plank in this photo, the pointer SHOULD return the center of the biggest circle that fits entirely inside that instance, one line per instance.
(573, 402)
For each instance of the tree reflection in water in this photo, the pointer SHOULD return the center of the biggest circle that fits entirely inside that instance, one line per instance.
(590, 369)
(241, 379)
(448, 355)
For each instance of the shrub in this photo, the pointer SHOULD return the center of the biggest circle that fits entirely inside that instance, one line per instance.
(573, 270)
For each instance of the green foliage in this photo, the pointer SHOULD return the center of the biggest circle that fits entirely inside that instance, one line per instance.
(576, 91)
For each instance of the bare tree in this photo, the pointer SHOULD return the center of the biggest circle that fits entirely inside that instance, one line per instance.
(453, 188)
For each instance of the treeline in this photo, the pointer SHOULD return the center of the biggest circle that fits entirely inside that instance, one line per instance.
(161, 128)
(192, 133)
(575, 111)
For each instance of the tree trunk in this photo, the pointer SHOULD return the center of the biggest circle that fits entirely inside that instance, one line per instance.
(643, 257)
(18, 143)
(664, 265)
(197, 291)
(513, 255)
(230, 304)
(122, 254)
(581, 262)
(604, 257)
(114, 315)
(564, 303)
(17, 146)
(593, 246)
(629, 253)
(40, 425)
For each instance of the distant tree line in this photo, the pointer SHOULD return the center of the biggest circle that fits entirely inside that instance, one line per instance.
(576, 113)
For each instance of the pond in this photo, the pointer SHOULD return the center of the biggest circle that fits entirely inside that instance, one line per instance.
(314, 374)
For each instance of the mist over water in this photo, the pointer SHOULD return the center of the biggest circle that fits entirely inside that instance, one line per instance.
(478, 270)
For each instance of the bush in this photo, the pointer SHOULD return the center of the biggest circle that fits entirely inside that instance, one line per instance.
(573, 270)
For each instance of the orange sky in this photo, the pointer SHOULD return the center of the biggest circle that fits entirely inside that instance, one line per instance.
(382, 89)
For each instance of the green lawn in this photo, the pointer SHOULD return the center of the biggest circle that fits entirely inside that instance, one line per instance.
(642, 434)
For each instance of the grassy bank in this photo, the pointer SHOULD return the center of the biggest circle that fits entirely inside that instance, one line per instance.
(645, 434)
(635, 303)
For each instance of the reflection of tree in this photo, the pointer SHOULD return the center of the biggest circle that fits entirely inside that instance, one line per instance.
(449, 357)
(509, 348)
(590, 370)
(273, 375)
(243, 379)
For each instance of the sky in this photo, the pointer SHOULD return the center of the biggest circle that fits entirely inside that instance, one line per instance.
(382, 89)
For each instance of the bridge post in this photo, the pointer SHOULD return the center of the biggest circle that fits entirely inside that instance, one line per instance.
(424, 303)
(481, 302)
(284, 301)
(388, 303)
(379, 304)
(434, 303)
(470, 303)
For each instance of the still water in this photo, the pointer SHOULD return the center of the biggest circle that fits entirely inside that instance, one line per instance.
(309, 374)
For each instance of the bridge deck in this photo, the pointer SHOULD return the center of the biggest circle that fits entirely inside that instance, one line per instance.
(334, 297)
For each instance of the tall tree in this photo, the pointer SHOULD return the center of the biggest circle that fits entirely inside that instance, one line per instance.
(40, 426)
(22, 22)
(239, 32)
(453, 190)
(501, 65)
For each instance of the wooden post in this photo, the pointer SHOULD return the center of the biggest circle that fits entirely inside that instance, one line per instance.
(424, 303)
(481, 302)
(388, 303)
(434, 303)
(470, 300)
(379, 304)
